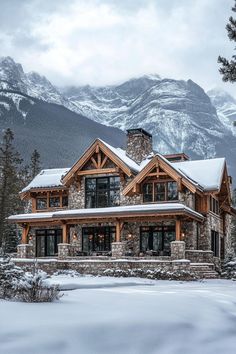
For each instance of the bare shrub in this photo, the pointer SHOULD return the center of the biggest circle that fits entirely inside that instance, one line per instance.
(34, 288)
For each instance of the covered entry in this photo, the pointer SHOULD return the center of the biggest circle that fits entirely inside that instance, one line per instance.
(47, 242)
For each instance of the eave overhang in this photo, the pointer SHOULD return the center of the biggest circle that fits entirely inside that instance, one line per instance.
(124, 213)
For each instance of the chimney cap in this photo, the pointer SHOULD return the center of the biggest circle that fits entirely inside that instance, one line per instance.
(138, 131)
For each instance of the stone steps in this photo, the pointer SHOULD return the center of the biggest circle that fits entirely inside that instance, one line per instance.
(204, 270)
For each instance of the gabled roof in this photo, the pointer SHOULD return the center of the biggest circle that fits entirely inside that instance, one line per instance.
(207, 174)
(117, 155)
(46, 179)
(201, 175)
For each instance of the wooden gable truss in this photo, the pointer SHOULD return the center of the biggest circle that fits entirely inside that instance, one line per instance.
(159, 168)
(98, 159)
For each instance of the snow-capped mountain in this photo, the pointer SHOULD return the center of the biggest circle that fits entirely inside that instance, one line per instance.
(225, 105)
(59, 134)
(13, 77)
(178, 113)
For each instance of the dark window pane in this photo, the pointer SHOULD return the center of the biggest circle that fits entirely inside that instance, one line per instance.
(90, 184)
(159, 192)
(41, 203)
(144, 241)
(147, 192)
(102, 199)
(102, 183)
(114, 197)
(172, 193)
(65, 201)
(90, 200)
(54, 202)
(115, 182)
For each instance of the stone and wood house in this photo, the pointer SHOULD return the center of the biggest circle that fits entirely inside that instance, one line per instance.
(133, 203)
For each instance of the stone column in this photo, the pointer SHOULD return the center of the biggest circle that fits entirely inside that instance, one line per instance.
(25, 251)
(63, 250)
(177, 249)
(118, 249)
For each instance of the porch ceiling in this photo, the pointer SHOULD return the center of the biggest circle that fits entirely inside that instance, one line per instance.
(123, 212)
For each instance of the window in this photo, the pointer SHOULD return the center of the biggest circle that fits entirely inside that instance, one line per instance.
(159, 192)
(147, 192)
(47, 242)
(157, 239)
(102, 192)
(98, 239)
(54, 202)
(214, 205)
(172, 191)
(64, 201)
(41, 203)
(215, 243)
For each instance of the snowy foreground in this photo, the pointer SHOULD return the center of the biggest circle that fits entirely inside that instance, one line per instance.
(111, 315)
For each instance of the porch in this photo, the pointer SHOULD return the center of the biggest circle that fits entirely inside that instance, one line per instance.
(157, 230)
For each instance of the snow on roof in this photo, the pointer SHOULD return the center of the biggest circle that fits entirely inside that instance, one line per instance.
(141, 208)
(47, 178)
(121, 154)
(206, 173)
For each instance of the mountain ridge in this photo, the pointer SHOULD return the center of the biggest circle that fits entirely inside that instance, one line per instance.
(179, 114)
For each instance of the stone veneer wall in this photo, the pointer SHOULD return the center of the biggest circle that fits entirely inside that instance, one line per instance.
(190, 231)
(229, 246)
(187, 198)
(76, 198)
(99, 266)
(139, 146)
(212, 222)
(28, 206)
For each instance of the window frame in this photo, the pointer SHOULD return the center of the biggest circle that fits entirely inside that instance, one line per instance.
(214, 205)
(98, 192)
(49, 196)
(154, 187)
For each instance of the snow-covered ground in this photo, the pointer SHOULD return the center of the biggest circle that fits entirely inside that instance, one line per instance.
(126, 315)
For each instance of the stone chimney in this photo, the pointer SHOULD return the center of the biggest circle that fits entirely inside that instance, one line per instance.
(139, 144)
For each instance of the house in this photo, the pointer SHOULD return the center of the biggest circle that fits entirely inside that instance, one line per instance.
(129, 203)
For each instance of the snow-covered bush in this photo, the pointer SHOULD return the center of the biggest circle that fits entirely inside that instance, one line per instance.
(70, 273)
(229, 269)
(34, 288)
(9, 276)
(156, 273)
(15, 284)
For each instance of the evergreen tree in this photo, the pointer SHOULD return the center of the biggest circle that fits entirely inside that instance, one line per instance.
(35, 164)
(10, 162)
(228, 67)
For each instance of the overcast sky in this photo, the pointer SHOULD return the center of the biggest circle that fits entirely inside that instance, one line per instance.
(75, 42)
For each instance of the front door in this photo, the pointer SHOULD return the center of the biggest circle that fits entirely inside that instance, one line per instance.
(157, 239)
(47, 242)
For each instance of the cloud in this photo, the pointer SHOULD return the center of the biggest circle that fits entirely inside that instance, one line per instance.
(104, 42)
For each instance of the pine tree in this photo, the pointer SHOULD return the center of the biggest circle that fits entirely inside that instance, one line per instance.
(35, 164)
(10, 162)
(228, 67)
